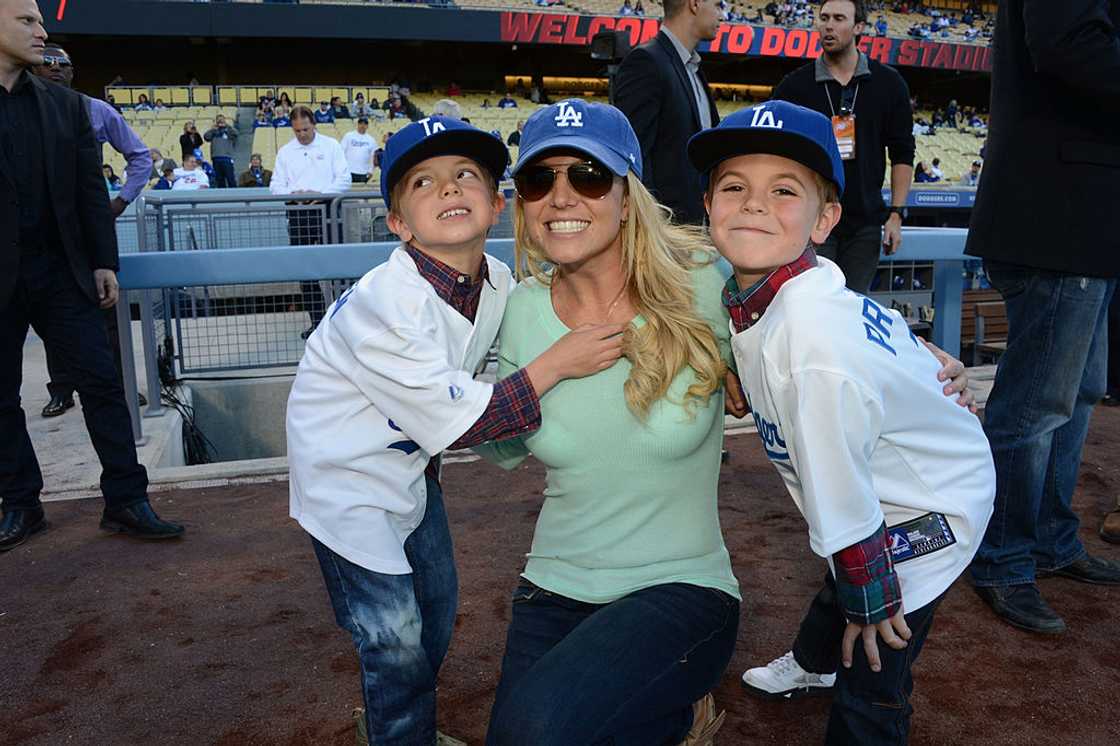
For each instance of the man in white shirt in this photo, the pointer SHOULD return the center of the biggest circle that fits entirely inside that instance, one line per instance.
(310, 163)
(190, 176)
(358, 148)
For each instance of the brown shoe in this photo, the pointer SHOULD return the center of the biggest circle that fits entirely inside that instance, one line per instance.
(1110, 527)
(359, 715)
(705, 723)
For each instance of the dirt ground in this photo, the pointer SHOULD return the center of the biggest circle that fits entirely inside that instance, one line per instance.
(227, 637)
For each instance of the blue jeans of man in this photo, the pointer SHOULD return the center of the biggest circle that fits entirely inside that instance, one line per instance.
(868, 708)
(48, 299)
(1046, 385)
(624, 673)
(225, 175)
(401, 626)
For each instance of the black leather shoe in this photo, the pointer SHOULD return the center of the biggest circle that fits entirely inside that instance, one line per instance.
(19, 525)
(140, 521)
(1087, 570)
(1022, 606)
(58, 405)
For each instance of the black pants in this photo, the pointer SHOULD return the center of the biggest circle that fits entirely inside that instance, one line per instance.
(61, 383)
(305, 228)
(225, 177)
(48, 299)
(856, 250)
(868, 708)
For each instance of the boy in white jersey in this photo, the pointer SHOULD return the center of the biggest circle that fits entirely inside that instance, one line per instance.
(895, 480)
(385, 385)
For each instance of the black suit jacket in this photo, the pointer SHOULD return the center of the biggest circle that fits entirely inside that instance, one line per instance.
(653, 90)
(75, 187)
(1049, 195)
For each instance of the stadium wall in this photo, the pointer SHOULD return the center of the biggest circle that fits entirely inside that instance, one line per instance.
(150, 18)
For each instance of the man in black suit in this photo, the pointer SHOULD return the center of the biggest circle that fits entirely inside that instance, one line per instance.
(58, 261)
(1047, 226)
(662, 91)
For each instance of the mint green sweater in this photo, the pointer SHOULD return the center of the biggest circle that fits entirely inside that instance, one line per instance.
(628, 504)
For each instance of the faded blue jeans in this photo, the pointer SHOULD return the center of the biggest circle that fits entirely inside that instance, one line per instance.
(1046, 386)
(401, 625)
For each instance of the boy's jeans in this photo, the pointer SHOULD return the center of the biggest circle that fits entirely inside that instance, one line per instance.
(401, 625)
(623, 673)
(868, 708)
(1047, 383)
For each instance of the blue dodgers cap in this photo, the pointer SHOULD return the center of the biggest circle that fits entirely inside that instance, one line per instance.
(777, 128)
(598, 130)
(436, 136)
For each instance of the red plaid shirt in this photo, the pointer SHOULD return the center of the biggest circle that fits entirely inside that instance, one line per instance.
(514, 408)
(866, 582)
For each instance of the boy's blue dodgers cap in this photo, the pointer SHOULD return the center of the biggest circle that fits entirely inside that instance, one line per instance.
(435, 136)
(598, 130)
(777, 128)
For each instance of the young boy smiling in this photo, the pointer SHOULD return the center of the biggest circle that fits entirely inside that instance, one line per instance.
(385, 385)
(895, 480)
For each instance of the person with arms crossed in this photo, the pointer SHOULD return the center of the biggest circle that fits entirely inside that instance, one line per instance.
(869, 105)
(58, 265)
(1047, 227)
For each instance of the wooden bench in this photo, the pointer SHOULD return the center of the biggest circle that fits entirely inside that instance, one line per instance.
(983, 323)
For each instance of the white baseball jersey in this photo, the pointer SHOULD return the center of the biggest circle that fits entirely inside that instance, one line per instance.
(319, 166)
(359, 151)
(850, 411)
(386, 383)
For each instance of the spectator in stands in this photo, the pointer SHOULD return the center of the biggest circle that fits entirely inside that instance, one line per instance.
(360, 108)
(113, 102)
(280, 117)
(626, 9)
(871, 103)
(935, 170)
(515, 136)
(445, 107)
(453, 89)
(639, 10)
(310, 163)
(1047, 227)
(142, 103)
(377, 154)
(190, 176)
(507, 102)
(284, 100)
(881, 26)
(663, 93)
(324, 114)
(358, 147)
(922, 174)
(189, 140)
(339, 110)
(256, 175)
(159, 163)
(111, 178)
(223, 144)
(58, 261)
(167, 180)
(160, 106)
(262, 120)
(951, 112)
(485, 104)
(971, 177)
(268, 100)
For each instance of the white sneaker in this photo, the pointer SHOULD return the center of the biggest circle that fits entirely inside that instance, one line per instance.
(783, 677)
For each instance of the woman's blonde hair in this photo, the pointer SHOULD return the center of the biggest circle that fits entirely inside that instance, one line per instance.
(657, 258)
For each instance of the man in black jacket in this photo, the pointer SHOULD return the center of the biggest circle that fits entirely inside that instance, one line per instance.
(662, 91)
(869, 104)
(1047, 225)
(58, 261)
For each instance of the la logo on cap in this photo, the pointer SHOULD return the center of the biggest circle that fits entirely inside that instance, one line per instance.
(568, 116)
(763, 117)
(430, 128)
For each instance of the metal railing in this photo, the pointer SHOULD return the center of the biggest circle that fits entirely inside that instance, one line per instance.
(146, 273)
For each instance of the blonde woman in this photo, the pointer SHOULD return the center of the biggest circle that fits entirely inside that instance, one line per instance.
(627, 611)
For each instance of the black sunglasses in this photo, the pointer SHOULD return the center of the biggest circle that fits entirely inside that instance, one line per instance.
(54, 59)
(590, 179)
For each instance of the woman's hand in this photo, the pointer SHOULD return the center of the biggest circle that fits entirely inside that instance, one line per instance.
(579, 353)
(953, 371)
(734, 402)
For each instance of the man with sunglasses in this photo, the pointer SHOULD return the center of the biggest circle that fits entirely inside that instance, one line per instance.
(58, 262)
(108, 127)
(869, 104)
